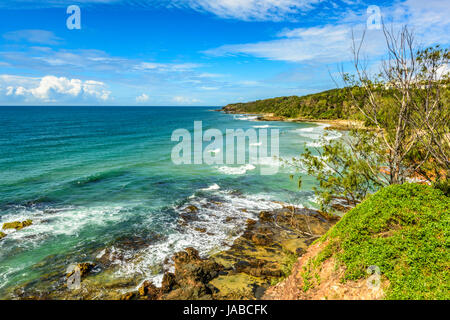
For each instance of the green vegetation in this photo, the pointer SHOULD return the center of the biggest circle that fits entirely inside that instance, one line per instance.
(406, 107)
(331, 104)
(286, 266)
(402, 229)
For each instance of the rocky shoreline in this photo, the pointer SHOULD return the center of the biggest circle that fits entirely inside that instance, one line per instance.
(261, 257)
(333, 124)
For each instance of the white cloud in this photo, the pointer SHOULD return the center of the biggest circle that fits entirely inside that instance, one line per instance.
(32, 36)
(209, 88)
(327, 43)
(142, 98)
(185, 100)
(166, 67)
(248, 10)
(53, 89)
(331, 43)
(429, 19)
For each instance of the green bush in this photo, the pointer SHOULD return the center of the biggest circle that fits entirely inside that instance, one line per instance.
(404, 230)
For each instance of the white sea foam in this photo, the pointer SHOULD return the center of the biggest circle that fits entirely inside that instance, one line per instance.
(245, 117)
(68, 220)
(262, 126)
(223, 219)
(212, 187)
(318, 135)
(236, 170)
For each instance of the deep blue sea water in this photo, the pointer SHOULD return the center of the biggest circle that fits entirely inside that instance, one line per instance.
(100, 180)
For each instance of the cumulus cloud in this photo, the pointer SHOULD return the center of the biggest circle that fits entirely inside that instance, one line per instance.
(53, 89)
(142, 98)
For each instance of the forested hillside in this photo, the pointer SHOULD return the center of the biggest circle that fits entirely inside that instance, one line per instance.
(331, 104)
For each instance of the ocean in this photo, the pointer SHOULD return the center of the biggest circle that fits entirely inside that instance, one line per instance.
(99, 185)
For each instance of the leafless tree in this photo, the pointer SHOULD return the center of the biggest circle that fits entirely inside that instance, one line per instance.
(405, 102)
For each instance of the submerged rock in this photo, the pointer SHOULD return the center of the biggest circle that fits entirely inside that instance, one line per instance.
(17, 224)
(192, 208)
(2, 235)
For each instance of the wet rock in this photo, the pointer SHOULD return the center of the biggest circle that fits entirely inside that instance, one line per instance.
(149, 290)
(258, 268)
(250, 222)
(191, 277)
(265, 216)
(202, 230)
(188, 216)
(191, 208)
(17, 224)
(2, 235)
(168, 282)
(241, 265)
(128, 296)
(262, 239)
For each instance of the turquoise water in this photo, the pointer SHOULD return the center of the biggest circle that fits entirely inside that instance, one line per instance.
(98, 180)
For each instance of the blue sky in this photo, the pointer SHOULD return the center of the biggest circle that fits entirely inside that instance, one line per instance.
(191, 52)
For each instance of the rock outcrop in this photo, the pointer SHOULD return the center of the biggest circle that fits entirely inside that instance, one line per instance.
(18, 225)
(260, 257)
(188, 282)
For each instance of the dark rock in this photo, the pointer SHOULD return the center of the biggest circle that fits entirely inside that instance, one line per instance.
(265, 216)
(191, 277)
(241, 265)
(259, 291)
(261, 239)
(189, 216)
(168, 282)
(250, 222)
(149, 290)
(128, 296)
(191, 208)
